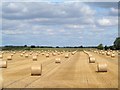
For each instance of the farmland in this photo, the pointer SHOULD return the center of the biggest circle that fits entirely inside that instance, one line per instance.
(51, 44)
(74, 71)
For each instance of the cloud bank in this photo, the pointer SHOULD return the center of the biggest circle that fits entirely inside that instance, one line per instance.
(63, 24)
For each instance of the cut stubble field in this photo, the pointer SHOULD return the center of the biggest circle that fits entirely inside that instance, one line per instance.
(72, 72)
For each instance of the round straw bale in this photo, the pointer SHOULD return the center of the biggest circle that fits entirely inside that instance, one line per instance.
(1, 56)
(3, 64)
(73, 53)
(103, 53)
(36, 54)
(110, 50)
(26, 55)
(117, 51)
(57, 60)
(31, 53)
(91, 60)
(9, 58)
(112, 55)
(66, 56)
(58, 53)
(100, 52)
(1, 83)
(95, 51)
(54, 54)
(42, 53)
(108, 53)
(11, 54)
(36, 69)
(47, 55)
(34, 58)
(21, 54)
(102, 67)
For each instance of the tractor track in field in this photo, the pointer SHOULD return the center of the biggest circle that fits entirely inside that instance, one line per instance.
(72, 72)
(47, 64)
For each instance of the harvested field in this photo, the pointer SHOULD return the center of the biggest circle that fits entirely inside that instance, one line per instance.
(72, 72)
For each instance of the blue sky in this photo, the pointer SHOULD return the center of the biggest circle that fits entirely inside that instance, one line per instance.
(59, 24)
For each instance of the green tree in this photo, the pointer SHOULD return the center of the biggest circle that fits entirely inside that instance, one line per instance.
(117, 43)
(106, 47)
(57, 46)
(100, 46)
(25, 45)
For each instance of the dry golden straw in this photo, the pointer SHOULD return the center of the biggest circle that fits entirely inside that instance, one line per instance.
(66, 56)
(34, 58)
(102, 67)
(1, 56)
(3, 64)
(112, 55)
(9, 58)
(21, 55)
(26, 55)
(57, 60)
(1, 82)
(36, 69)
(91, 60)
(108, 53)
(47, 55)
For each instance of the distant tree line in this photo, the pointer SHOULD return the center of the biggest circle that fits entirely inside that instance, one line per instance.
(101, 47)
(33, 46)
(15, 48)
(116, 46)
(25, 47)
(117, 43)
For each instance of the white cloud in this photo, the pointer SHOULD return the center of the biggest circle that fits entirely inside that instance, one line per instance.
(40, 10)
(80, 37)
(60, 1)
(12, 32)
(74, 26)
(104, 22)
(10, 8)
(66, 20)
(25, 10)
(107, 22)
(62, 30)
(87, 10)
(39, 27)
(113, 11)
